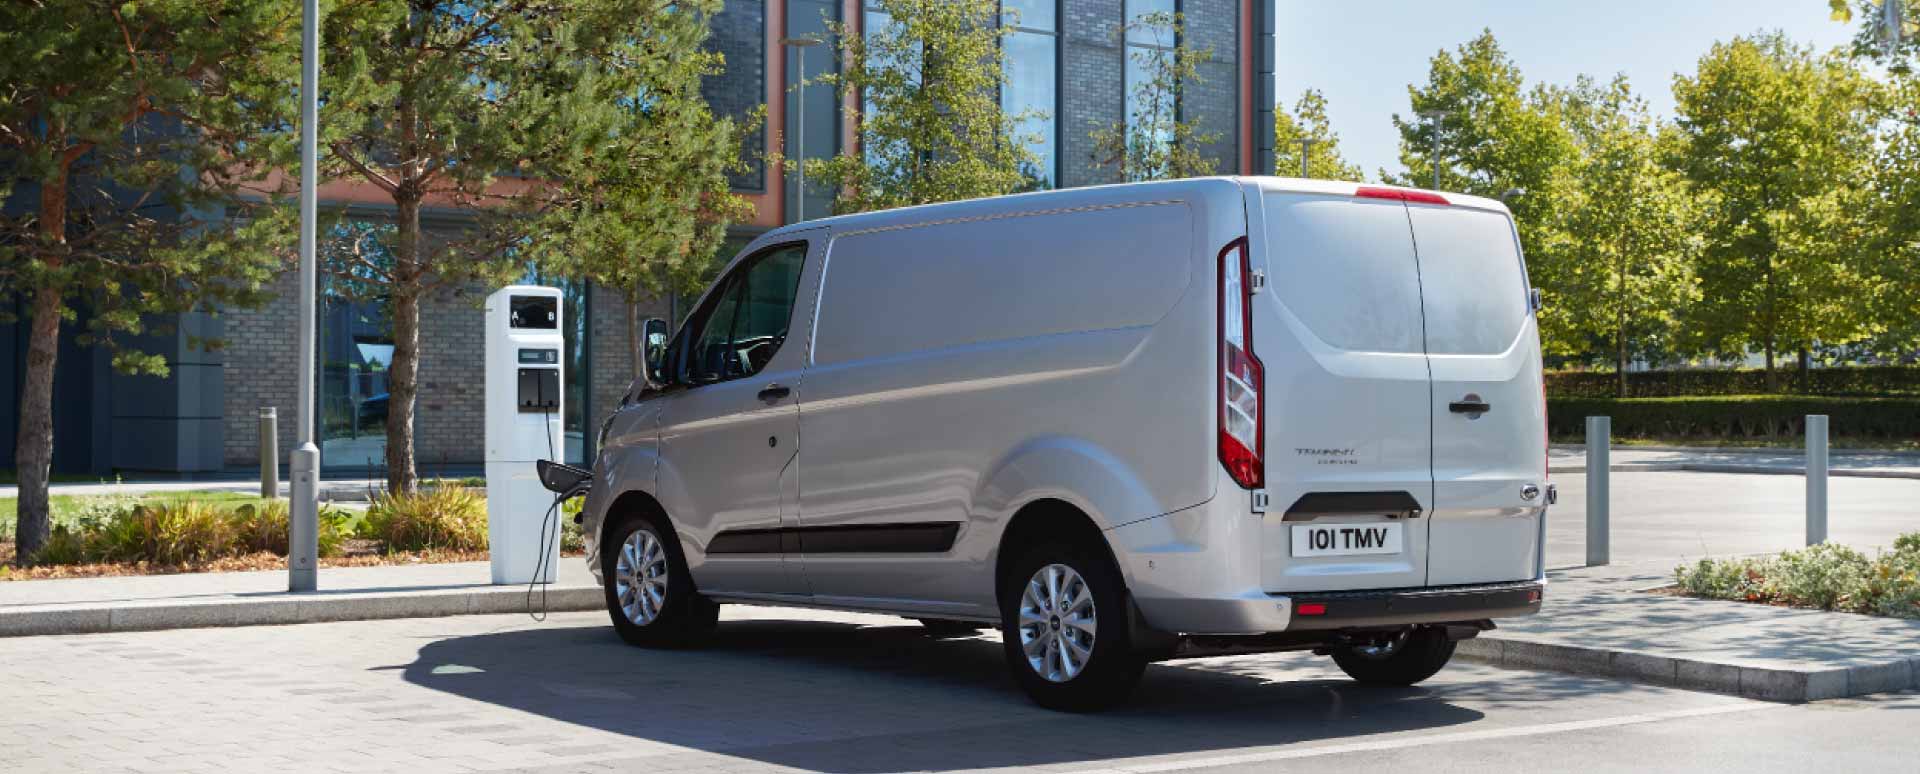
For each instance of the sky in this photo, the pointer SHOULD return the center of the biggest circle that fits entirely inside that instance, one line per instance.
(1364, 53)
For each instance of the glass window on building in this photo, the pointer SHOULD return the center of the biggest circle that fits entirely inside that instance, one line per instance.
(355, 350)
(1032, 61)
(1147, 45)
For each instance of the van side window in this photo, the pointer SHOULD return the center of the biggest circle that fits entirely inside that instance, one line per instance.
(746, 319)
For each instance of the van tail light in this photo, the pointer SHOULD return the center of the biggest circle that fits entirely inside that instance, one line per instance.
(1242, 378)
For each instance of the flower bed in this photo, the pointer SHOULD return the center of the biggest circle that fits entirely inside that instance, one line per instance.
(1826, 577)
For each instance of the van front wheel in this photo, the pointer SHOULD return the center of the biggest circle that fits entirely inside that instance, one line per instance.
(1407, 658)
(1063, 615)
(649, 592)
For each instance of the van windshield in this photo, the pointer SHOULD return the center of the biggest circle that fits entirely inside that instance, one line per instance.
(1475, 287)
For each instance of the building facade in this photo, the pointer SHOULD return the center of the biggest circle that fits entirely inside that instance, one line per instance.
(1068, 61)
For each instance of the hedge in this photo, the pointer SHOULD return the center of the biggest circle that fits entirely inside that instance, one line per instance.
(1738, 416)
(1842, 380)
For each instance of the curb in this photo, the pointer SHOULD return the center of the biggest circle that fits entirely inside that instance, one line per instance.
(1752, 682)
(319, 607)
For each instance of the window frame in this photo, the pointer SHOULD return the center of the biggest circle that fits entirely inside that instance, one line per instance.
(679, 363)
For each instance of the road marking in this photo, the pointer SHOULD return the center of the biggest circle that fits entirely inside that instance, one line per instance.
(1430, 739)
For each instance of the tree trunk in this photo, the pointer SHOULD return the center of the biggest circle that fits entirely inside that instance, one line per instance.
(33, 447)
(1773, 377)
(1620, 323)
(1806, 370)
(1620, 363)
(403, 373)
(635, 347)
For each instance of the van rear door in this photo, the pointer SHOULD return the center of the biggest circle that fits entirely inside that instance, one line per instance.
(1489, 421)
(1347, 400)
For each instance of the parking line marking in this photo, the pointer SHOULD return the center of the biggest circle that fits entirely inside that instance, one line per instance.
(1430, 739)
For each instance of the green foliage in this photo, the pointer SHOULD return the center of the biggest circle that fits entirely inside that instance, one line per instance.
(441, 517)
(178, 531)
(1158, 142)
(1871, 42)
(1827, 576)
(933, 129)
(1714, 418)
(1309, 121)
(1847, 381)
(1620, 256)
(1778, 139)
(538, 117)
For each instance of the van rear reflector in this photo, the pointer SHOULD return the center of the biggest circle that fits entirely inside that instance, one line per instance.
(1311, 608)
(1400, 194)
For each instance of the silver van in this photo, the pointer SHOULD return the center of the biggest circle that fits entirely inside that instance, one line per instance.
(1121, 424)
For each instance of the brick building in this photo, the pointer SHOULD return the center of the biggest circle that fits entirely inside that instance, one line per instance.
(1067, 59)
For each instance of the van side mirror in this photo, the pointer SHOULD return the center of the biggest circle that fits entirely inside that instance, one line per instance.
(654, 337)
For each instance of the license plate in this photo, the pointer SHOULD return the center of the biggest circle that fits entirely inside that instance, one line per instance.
(1345, 539)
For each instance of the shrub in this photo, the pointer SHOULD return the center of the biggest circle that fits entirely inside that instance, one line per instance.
(1744, 416)
(439, 517)
(1846, 380)
(263, 526)
(1826, 576)
(179, 532)
(1821, 576)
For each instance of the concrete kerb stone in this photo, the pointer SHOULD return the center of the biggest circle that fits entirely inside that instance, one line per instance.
(1781, 684)
(289, 609)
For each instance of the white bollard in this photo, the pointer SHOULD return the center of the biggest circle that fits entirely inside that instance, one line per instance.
(1816, 479)
(1599, 443)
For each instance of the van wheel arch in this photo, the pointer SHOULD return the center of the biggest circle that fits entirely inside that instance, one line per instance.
(631, 505)
(1043, 519)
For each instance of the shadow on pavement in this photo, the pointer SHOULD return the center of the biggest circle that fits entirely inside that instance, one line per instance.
(845, 697)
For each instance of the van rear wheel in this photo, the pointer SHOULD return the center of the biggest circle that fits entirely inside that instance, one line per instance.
(1409, 657)
(1063, 615)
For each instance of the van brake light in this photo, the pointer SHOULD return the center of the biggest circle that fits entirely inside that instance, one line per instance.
(1401, 194)
(1242, 377)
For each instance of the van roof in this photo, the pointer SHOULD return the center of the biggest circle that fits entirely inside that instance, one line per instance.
(1112, 194)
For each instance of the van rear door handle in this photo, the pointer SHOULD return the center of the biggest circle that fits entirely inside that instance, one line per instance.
(775, 391)
(1471, 405)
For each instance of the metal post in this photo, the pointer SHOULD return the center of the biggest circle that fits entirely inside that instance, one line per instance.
(1816, 479)
(303, 527)
(800, 46)
(1306, 151)
(1599, 444)
(1433, 120)
(269, 452)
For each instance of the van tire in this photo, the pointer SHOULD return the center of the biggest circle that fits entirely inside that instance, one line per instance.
(1113, 669)
(684, 618)
(1422, 654)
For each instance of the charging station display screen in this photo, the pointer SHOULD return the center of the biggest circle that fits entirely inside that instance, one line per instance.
(537, 312)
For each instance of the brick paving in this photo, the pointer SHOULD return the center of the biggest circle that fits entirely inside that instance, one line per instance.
(778, 690)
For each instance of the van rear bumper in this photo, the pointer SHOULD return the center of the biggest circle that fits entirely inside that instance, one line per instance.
(1399, 607)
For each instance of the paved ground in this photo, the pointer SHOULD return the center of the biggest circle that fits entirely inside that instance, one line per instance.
(1664, 518)
(788, 690)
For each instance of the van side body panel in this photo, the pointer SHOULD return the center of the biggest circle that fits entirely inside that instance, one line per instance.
(1051, 346)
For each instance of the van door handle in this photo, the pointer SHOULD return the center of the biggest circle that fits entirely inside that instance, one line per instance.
(775, 391)
(1472, 405)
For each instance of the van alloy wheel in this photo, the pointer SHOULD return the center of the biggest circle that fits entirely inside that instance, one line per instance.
(641, 575)
(1057, 623)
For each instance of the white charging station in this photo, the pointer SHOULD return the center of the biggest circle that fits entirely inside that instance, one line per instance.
(525, 411)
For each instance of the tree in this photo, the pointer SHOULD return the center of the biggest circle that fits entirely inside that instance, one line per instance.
(1893, 212)
(650, 219)
(1309, 122)
(1627, 227)
(1501, 140)
(509, 109)
(132, 131)
(932, 129)
(1157, 141)
(1780, 139)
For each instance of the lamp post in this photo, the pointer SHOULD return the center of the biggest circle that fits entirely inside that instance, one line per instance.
(1433, 120)
(800, 46)
(1306, 152)
(303, 510)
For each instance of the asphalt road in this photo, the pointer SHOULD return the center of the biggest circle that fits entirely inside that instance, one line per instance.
(790, 690)
(1672, 517)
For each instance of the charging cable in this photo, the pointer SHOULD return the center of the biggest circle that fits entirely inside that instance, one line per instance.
(549, 533)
